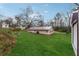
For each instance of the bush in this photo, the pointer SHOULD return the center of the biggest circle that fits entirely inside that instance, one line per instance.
(7, 41)
(62, 29)
(16, 29)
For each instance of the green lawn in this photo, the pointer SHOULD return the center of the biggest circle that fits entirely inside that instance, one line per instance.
(29, 44)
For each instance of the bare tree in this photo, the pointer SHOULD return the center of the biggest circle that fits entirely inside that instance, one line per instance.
(24, 17)
(38, 20)
(9, 21)
(41, 23)
(58, 16)
(58, 19)
(18, 20)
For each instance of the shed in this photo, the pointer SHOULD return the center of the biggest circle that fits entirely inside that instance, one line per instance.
(75, 31)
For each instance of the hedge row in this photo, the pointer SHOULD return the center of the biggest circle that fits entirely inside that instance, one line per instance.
(62, 29)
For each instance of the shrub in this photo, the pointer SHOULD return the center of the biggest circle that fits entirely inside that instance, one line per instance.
(62, 29)
(16, 29)
(7, 41)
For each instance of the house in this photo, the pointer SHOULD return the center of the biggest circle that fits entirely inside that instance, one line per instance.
(4, 25)
(41, 30)
(75, 31)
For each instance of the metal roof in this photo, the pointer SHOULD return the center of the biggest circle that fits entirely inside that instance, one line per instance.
(41, 28)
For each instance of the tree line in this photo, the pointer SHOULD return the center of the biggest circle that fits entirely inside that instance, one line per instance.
(29, 18)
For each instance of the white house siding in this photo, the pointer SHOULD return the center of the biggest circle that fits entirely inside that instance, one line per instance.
(74, 38)
(4, 25)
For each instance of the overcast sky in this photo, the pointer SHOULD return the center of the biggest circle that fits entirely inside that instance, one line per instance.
(47, 10)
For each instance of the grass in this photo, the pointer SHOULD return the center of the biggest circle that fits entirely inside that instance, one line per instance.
(29, 44)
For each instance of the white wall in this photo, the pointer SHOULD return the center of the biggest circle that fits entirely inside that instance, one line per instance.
(74, 39)
(5, 25)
